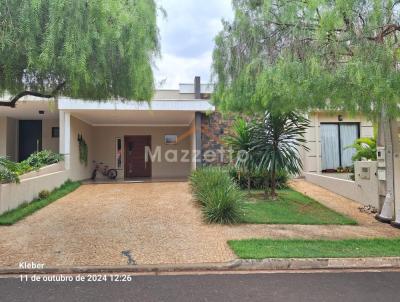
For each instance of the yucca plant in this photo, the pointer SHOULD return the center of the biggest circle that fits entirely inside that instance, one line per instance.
(240, 141)
(218, 195)
(276, 139)
(204, 179)
(223, 204)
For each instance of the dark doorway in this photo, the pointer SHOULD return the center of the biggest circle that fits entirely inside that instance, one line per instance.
(135, 160)
(30, 138)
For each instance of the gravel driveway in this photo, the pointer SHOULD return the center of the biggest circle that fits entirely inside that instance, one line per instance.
(151, 223)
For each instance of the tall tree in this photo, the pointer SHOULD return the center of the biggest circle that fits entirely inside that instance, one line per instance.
(309, 54)
(97, 49)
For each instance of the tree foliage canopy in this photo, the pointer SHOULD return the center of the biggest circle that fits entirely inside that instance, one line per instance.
(308, 54)
(94, 49)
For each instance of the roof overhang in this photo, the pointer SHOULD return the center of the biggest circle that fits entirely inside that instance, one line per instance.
(154, 105)
(132, 113)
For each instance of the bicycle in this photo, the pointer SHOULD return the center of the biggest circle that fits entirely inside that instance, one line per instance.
(103, 169)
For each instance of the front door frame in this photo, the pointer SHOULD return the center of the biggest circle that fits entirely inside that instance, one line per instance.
(126, 154)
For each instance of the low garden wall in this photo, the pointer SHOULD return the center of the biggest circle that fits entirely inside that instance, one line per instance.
(47, 178)
(364, 191)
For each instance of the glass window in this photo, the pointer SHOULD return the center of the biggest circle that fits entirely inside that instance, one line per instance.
(118, 153)
(335, 138)
(55, 131)
(171, 139)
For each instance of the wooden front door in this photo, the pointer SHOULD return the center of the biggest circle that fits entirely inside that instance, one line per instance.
(135, 160)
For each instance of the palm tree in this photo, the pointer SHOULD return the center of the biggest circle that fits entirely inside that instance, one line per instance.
(241, 143)
(365, 148)
(276, 139)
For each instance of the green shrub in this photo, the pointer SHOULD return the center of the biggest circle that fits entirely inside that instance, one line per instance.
(221, 199)
(7, 176)
(42, 158)
(223, 204)
(207, 178)
(257, 179)
(44, 194)
(22, 168)
(9, 170)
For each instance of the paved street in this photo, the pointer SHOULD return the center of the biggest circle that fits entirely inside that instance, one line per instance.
(293, 287)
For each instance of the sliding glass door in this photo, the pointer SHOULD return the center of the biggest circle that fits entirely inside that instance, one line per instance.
(330, 146)
(335, 138)
(348, 134)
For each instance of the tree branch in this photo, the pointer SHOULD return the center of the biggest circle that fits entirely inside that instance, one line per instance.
(386, 30)
(14, 99)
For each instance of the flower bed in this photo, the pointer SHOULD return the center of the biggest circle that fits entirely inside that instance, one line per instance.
(10, 171)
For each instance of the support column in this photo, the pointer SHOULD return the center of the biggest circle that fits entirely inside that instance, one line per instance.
(198, 146)
(65, 137)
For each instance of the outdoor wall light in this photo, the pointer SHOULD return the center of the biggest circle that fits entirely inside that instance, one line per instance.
(41, 111)
(340, 118)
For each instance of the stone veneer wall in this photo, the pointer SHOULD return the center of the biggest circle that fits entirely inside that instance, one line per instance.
(213, 127)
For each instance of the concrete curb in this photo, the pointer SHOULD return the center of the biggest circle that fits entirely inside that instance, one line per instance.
(320, 263)
(235, 265)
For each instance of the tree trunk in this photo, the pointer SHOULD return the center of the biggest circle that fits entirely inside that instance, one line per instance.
(273, 183)
(266, 187)
(15, 99)
(249, 183)
(386, 214)
(396, 171)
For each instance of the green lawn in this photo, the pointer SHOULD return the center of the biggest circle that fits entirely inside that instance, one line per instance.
(24, 210)
(291, 208)
(297, 248)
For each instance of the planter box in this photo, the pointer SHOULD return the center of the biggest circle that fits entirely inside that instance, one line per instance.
(43, 171)
(364, 191)
(47, 178)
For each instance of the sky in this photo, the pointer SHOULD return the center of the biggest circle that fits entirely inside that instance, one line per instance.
(187, 39)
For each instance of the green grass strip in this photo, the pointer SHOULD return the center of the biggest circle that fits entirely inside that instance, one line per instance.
(291, 207)
(26, 209)
(299, 248)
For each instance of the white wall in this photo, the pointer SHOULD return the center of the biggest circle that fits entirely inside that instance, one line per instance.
(49, 142)
(78, 170)
(9, 138)
(364, 191)
(47, 178)
(12, 139)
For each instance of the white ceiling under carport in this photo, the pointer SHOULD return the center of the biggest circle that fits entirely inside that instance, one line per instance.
(134, 118)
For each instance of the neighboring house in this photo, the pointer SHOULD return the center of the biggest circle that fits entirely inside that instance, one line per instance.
(329, 136)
